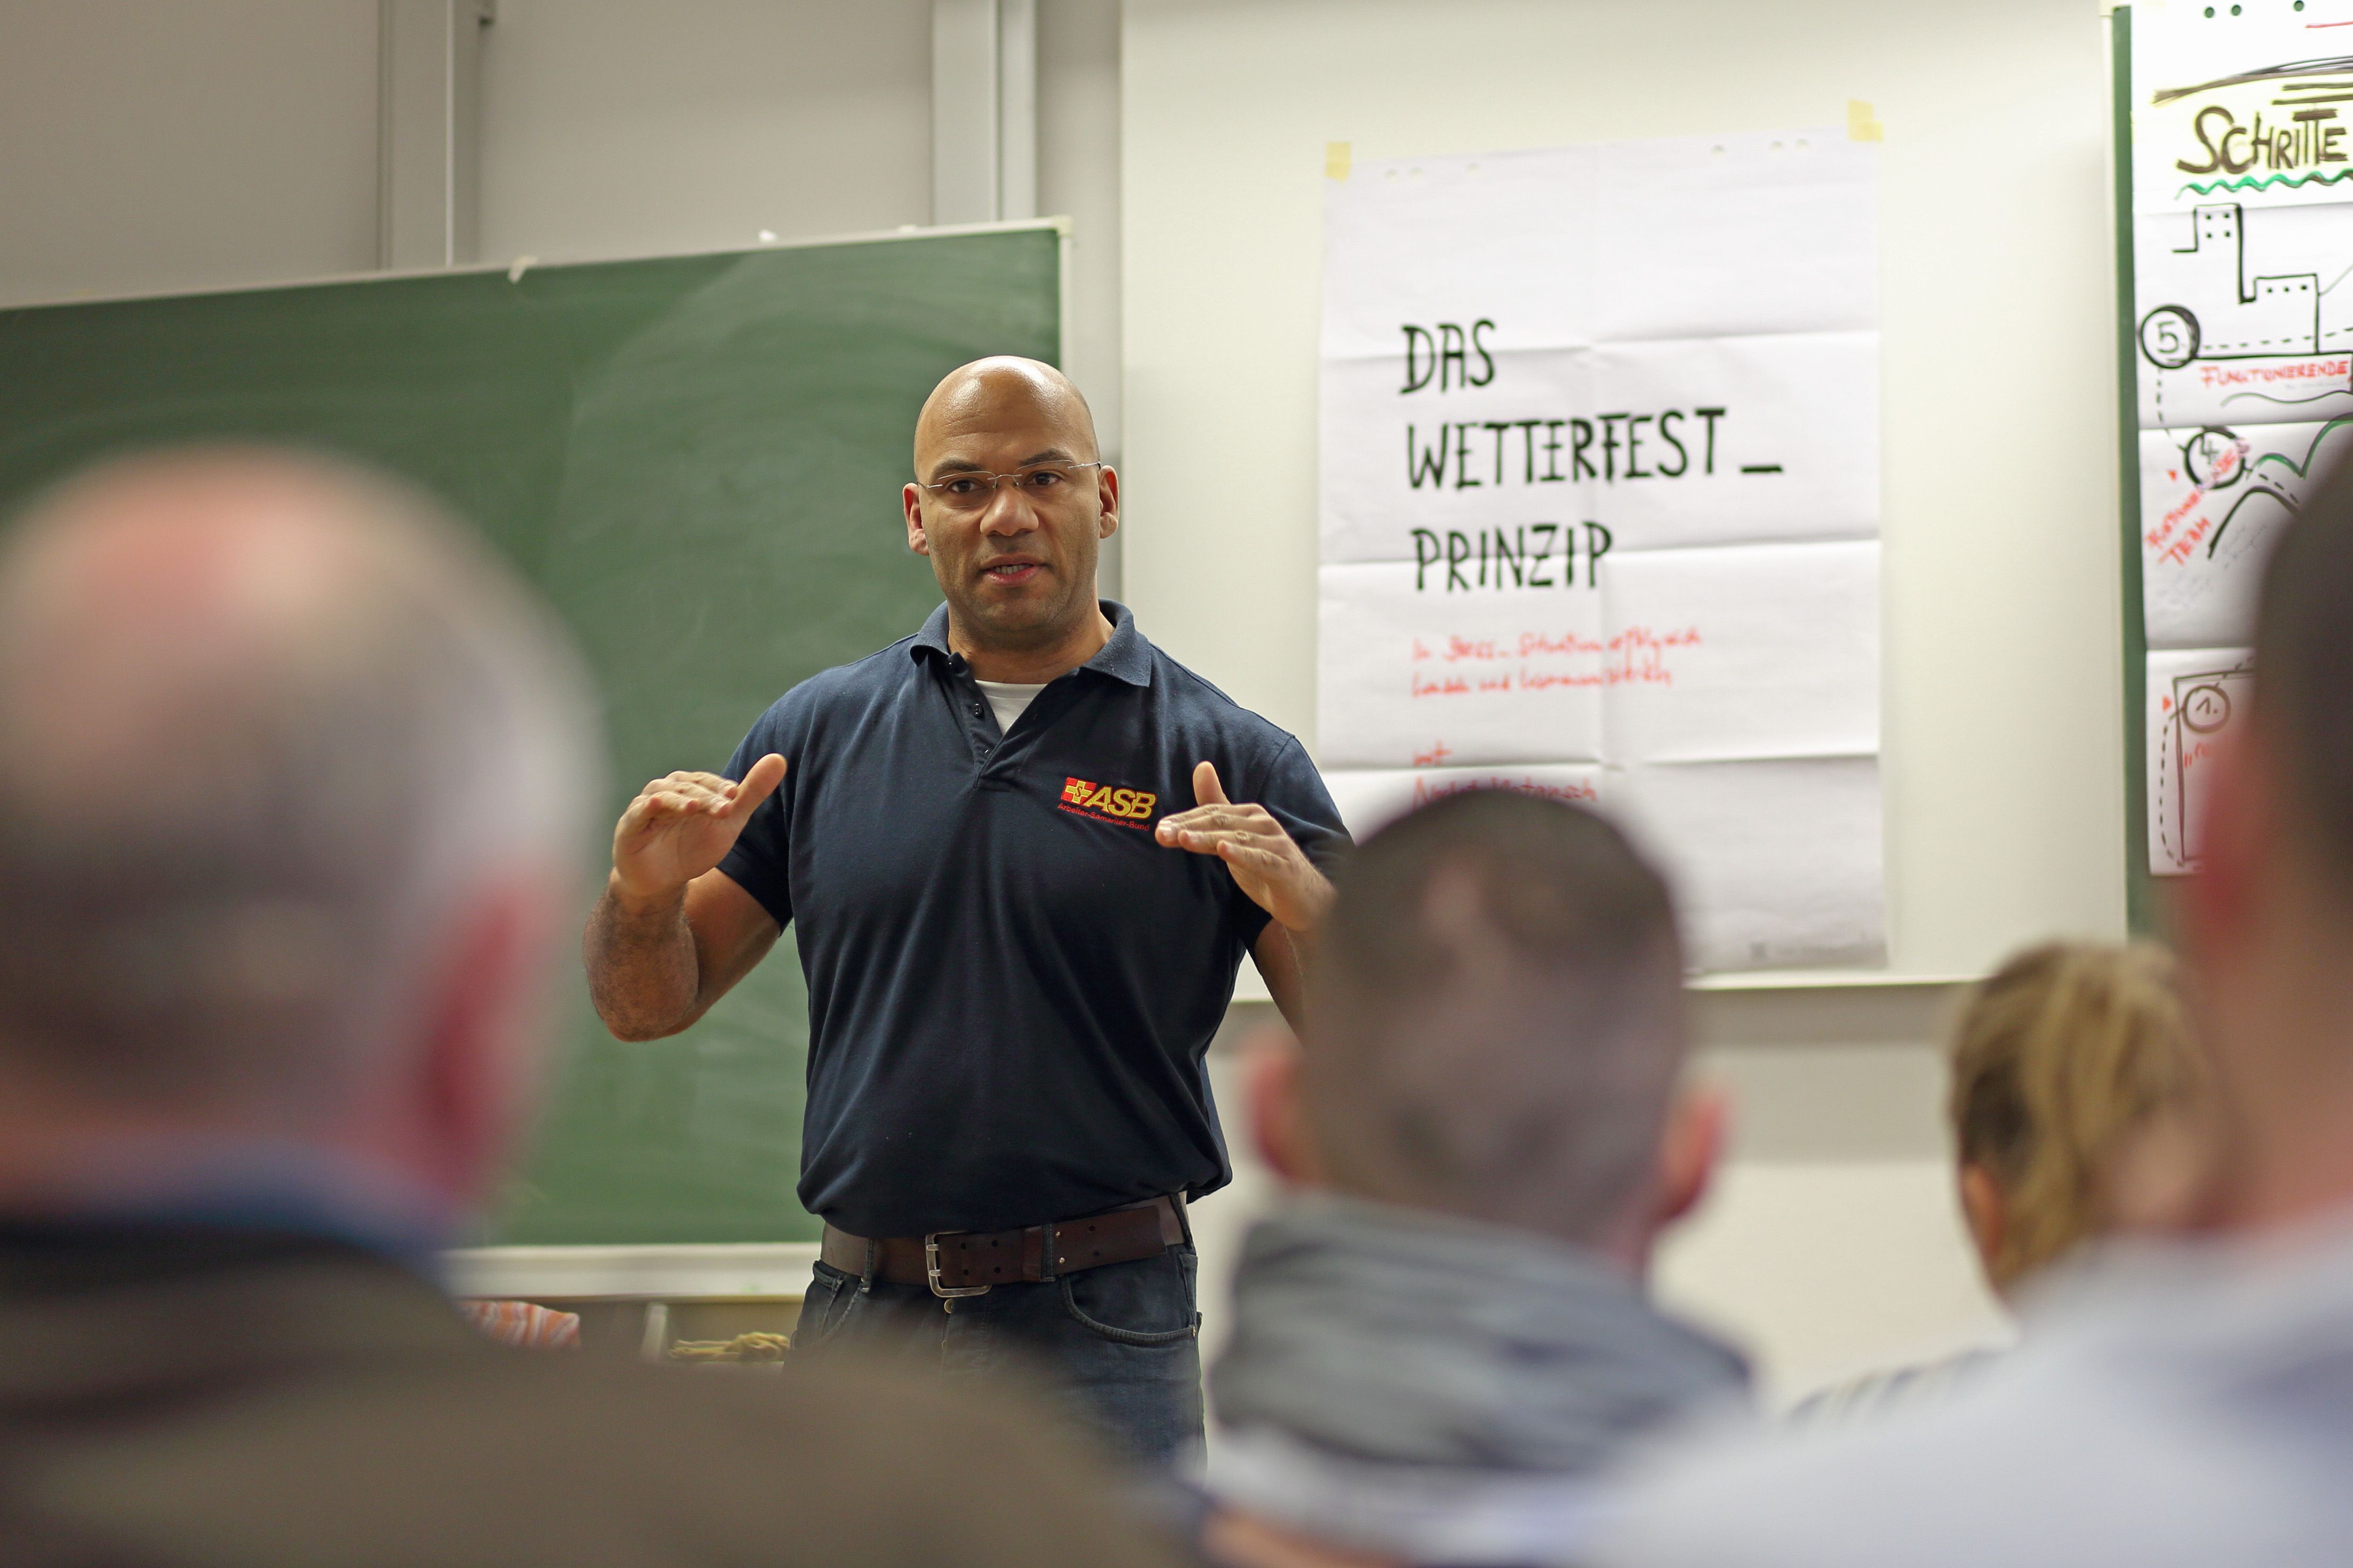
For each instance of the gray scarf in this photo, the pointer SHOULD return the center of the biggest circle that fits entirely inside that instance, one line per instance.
(1394, 1337)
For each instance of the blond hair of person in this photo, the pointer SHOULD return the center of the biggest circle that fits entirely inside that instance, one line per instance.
(2060, 1061)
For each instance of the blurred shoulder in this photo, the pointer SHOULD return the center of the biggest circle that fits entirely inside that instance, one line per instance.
(2039, 1461)
(863, 1465)
(1880, 1393)
(537, 1457)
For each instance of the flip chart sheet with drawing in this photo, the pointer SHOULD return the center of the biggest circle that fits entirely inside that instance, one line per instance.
(2211, 499)
(1601, 511)
(2194, 695)
(2242, 244)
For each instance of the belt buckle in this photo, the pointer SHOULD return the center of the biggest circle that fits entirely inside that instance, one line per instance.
(932, 1269)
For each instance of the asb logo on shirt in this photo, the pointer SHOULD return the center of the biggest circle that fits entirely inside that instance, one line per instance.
(1127, 807)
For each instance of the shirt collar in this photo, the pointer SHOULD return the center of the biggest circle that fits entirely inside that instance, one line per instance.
(257, 1184)
(1126, 657)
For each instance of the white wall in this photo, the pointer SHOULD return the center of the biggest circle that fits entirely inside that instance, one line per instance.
(2003, 760)
(1078, 177)
(149, 147)
(1832, 1244)
(614, 128)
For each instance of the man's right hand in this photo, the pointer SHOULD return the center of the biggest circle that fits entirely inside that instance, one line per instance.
(682, 826)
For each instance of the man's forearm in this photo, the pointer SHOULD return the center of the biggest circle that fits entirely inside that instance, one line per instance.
(643, 973)
(1282, 957)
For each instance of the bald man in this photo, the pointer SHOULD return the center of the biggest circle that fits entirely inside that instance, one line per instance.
(1023, 852)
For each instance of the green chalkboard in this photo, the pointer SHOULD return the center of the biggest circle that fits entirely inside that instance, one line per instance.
(698, 459)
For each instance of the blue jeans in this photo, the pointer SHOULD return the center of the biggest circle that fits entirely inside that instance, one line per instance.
(1117, 1346)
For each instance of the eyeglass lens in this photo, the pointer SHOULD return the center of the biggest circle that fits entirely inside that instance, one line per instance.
(975, 489)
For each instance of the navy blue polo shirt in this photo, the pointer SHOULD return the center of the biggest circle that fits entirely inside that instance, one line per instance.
(1011, 984)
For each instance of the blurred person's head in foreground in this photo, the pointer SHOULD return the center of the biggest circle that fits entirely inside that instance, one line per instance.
(1483, 1135)
(2064, 1063)
(2184, 1401)
(293, 775)
(293, 779)
(2266, 923)
(1496, 1032)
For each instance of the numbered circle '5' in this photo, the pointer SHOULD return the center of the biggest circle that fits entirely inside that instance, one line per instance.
(2169, 336)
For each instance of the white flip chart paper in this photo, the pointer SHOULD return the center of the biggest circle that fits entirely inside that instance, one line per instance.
(1424, 678)
(2242, 258)
(1777, 862)
(1782, 661)
(1600, 509)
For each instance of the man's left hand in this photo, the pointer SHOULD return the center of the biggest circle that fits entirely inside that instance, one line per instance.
(1265, 863)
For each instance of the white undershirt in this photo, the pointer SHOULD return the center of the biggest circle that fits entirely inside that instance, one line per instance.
(1009, 699)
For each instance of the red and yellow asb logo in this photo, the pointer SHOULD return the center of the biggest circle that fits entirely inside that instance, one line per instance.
(1128, 807)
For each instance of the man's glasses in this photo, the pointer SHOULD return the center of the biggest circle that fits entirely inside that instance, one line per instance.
(972, 492)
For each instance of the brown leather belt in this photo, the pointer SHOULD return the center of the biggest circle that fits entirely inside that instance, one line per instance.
(967, 1262)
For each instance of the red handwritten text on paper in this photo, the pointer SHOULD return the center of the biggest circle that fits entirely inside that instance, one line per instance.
(1426, 790)
(2332, 369)
(1550, 662)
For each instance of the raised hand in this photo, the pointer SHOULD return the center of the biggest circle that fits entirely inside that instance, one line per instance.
(682, 826)
(1265, 863)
